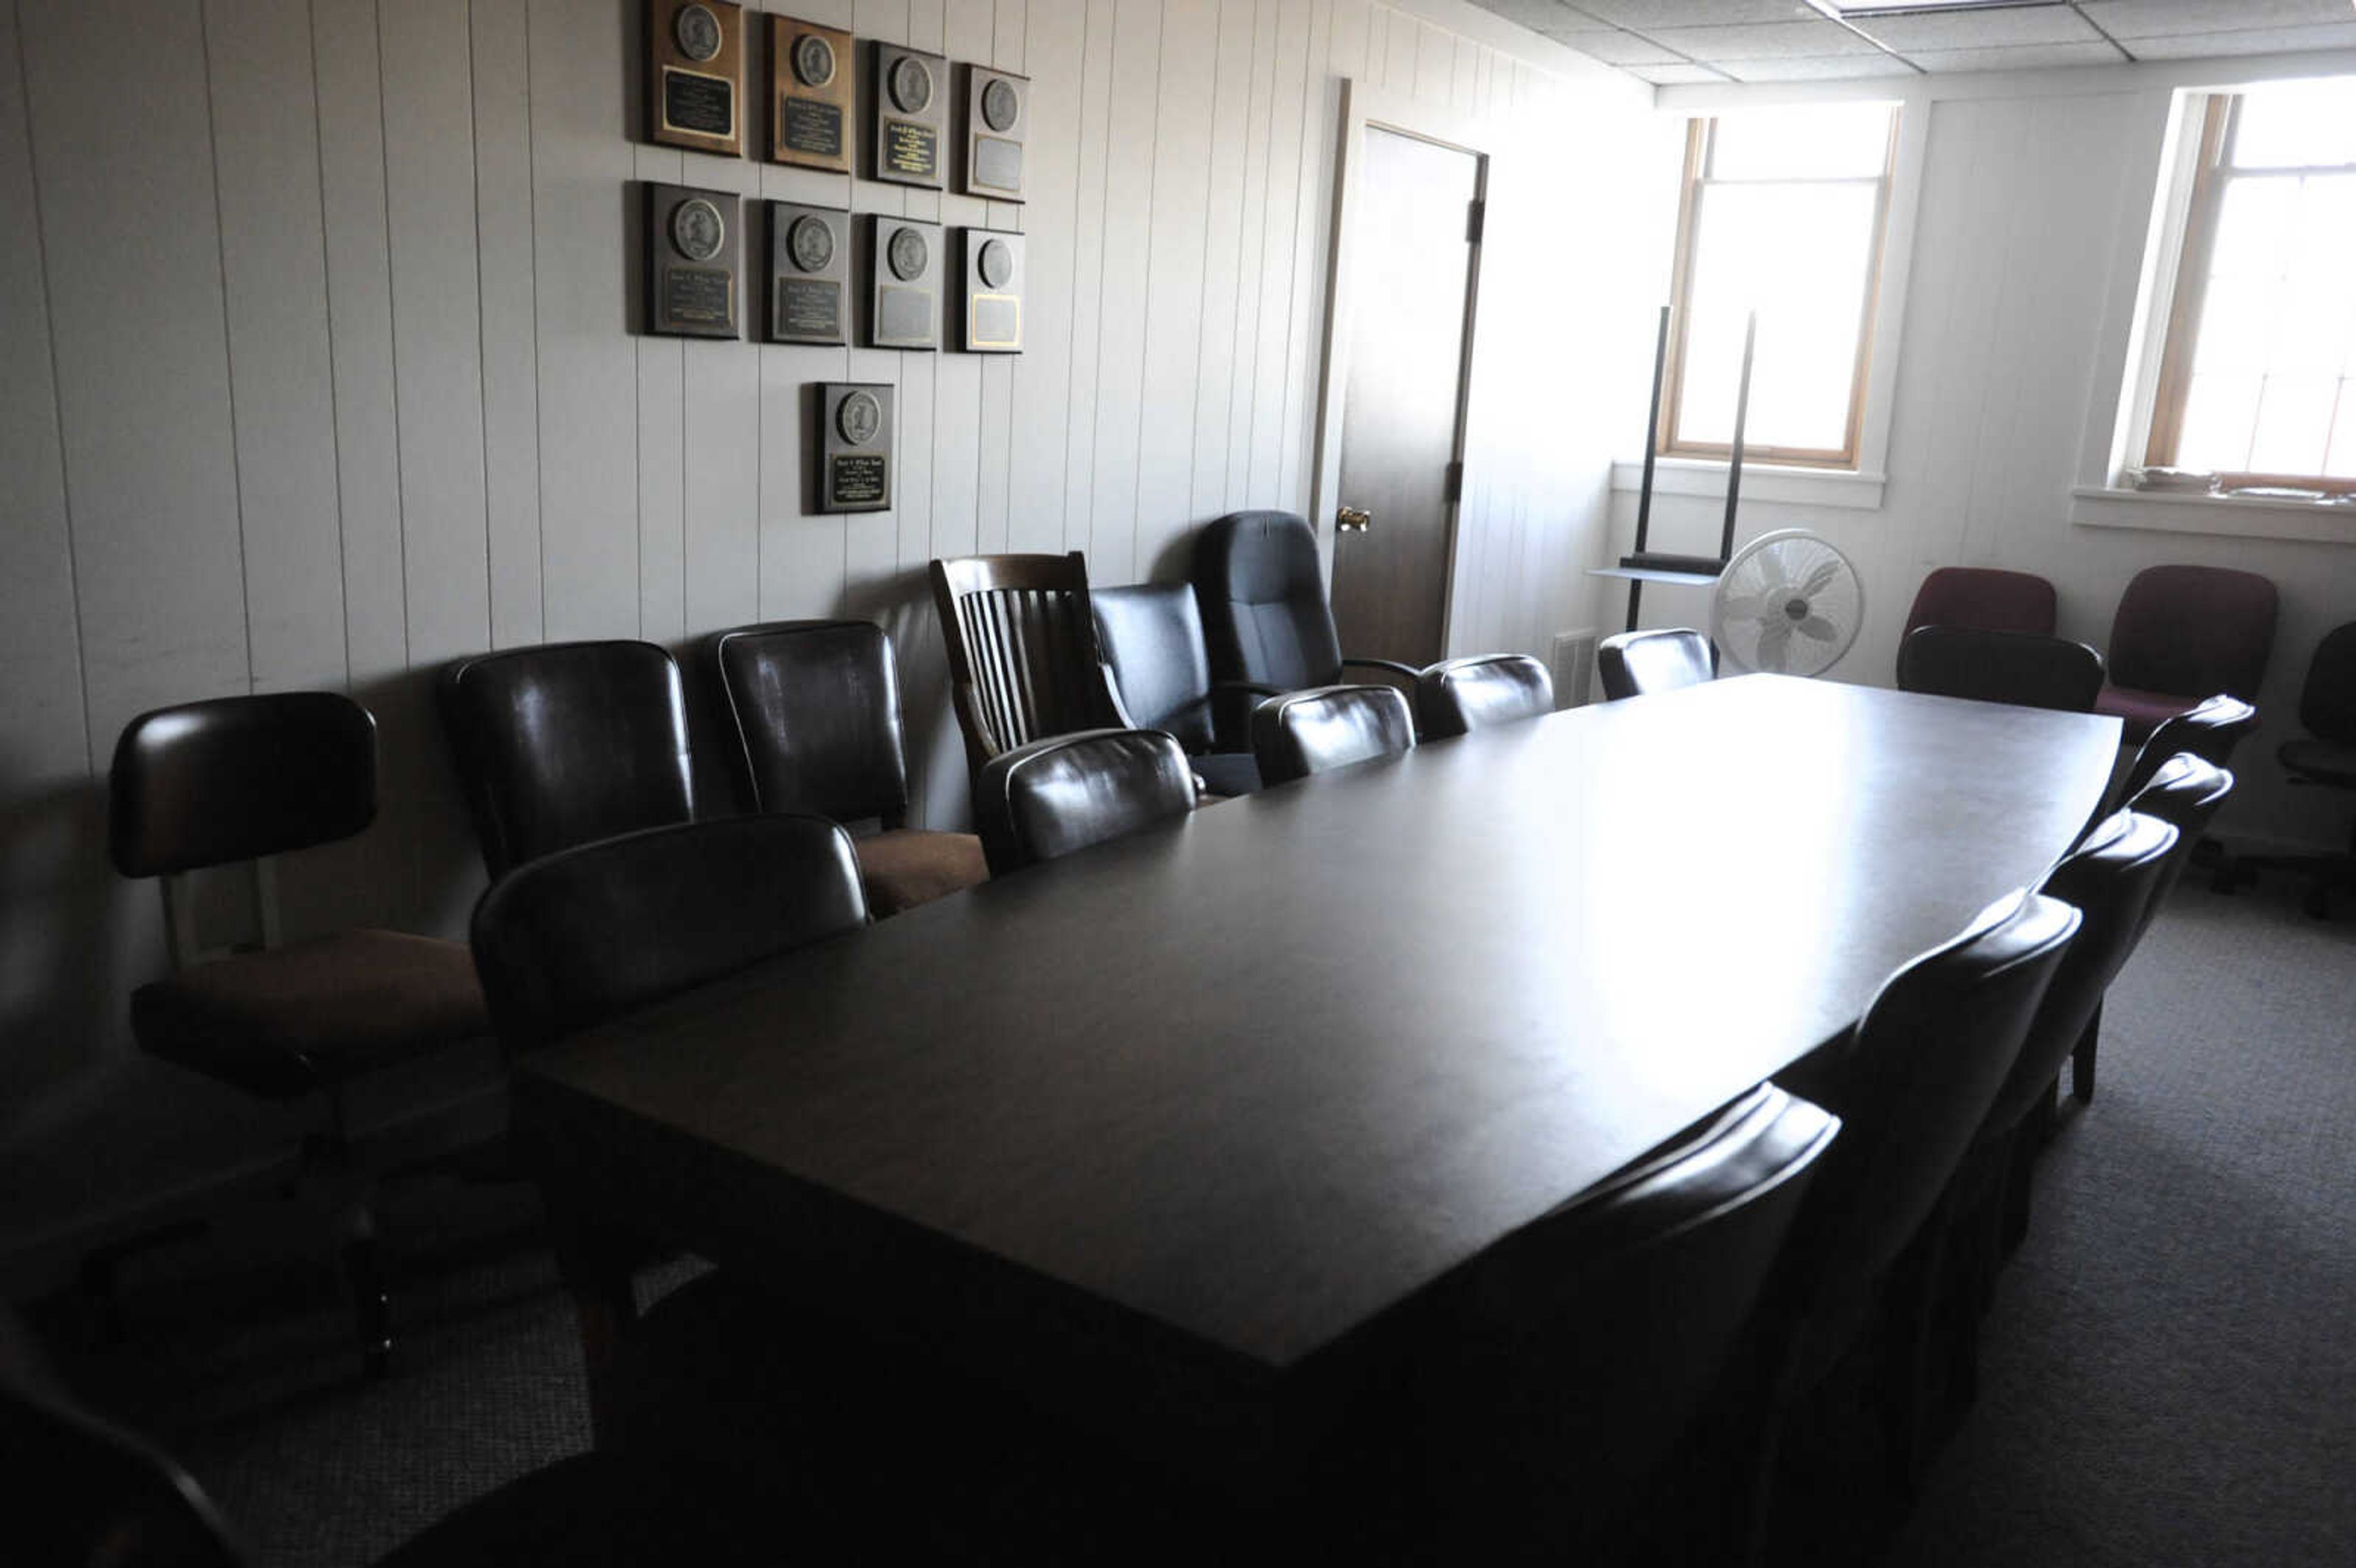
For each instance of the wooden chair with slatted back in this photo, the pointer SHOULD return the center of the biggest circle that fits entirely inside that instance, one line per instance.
(1024, 660)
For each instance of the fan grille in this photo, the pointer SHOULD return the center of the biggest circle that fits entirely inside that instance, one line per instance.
(1788, 603)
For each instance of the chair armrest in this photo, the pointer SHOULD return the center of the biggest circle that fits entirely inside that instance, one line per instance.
(1112, 696)
(1393, 666)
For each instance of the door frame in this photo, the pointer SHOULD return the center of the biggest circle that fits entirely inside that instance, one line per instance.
(1364, 105)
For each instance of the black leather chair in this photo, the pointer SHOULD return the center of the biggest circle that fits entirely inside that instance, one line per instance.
(816, 706)
(2210, 729)
(1315, 731)
(2325, 756)
(1458, 696)
(1152, 638)
(2019, 667)
(1067, 792)
(1266, 619)
(1638, 664)
(239, 779)
(565, 744)
(1571, 1359)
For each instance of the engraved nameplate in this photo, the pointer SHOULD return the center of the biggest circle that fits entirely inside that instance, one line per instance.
(911, 150)
(704, 104)
(903, 315)
(858, 479)
(996, 165)
(810, 309)
(995, 322)
(811, 127)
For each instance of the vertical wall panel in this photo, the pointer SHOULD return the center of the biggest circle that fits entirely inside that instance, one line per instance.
(1305, 310)
(505, 268)
(1237, 69)
(1088, 274)
(1173, 315)
(1053, 56)
(993, 472)
(1274, 274)
(1258, 148)
(1110, 468)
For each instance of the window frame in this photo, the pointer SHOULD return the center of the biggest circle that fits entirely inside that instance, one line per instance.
(2213, 176)
(1700, 130)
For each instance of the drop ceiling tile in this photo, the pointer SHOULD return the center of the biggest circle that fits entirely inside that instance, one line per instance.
(2125, 19)
(1615, 48)
(1815, 68)
(1675, 75)
(1765, 40)
(2246, 41)
(1980, 30)
(1651, 15)
(2030, 56)
(1538, 16)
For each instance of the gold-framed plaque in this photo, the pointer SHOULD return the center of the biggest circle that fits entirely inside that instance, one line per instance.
(693, 243)
(854, 446)
(996, 122)
(910, 90)
(809, 273)
(990, 291)
(905, 264)
(695, 75)
(813, 95)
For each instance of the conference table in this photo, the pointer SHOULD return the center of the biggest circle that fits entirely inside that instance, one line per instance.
(1172, 1136)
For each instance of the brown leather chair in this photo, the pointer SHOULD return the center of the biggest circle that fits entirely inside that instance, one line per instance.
(816, 706)
(2019, 667)
(565, 744)
(1459, 696)
(1024, 657)
(1985, 599)
(2181, 632)
(1639, 664)
(1067, 792)
(240, 779)
(1328, 727)
(1151, 633)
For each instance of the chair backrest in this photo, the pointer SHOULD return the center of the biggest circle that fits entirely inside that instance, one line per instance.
(1638, 664)
(1262, 594)
(1067, 792)
(1328, 727)
(2326, 701)
(1151, 633)
(2184, 630)
(2023, 667)
(817, 710)
(2111, 880)
(1024, 657)
(1459, 696)
(585, 934)
(2186, 793)
(1573, 1354)
(2210, 730)
(566, 743)
(1919, 1076)
(1984, 598)
(235, 778)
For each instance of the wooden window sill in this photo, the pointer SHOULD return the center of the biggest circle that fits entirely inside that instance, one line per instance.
(1761, 482)
(2241, 517)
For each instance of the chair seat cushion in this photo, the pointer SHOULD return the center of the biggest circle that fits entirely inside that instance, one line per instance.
(2144, 711)
(1226, 773)
(313, 1014)
(2324, 762)
(607, 1511)
(908, 866)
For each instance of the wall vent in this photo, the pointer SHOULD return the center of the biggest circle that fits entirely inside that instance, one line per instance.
(1571, 661)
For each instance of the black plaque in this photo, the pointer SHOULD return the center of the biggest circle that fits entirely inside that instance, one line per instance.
(809, 273)
(695, 74)
(813, 77)
(858, 480)
(699, 297)
(906, 265)
(912, 152)
(807, 125)
(704, 104)
(995, 121)
(910, 90)
(692, 250)
(990, 291)
(854, 447)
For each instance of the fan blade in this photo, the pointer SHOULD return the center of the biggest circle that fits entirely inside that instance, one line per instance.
(1820, 579)
(1743, 606)
(1819, 628)
(1774, 646)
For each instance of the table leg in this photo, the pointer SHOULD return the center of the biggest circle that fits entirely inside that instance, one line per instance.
(596, 1267)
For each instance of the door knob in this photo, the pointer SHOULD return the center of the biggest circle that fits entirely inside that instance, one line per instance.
(1352, 520)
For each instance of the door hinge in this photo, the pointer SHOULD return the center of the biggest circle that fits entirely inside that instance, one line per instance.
(1477, 213)
(1455, 483)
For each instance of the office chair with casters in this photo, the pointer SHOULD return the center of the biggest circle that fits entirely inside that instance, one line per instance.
(1023, 658)
(1151, 633)
(2019, 667)
(1639, 664)
(1317, 731)
(239, 780)
(1067, 792)
(2324, 757)
(567, 742)
(1456, 696)
(1985, 599)
(815, 707)
(2181, 633)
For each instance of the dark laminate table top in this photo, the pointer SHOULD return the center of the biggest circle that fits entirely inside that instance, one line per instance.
(1248, 1082)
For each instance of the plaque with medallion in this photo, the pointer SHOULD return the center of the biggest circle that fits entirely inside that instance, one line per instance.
(692, 251)
(813, 96)
(997, 120)
(695, 75)
(904, 267)
(854, 446)
(809, 273)
(911, 95)
(989, 291)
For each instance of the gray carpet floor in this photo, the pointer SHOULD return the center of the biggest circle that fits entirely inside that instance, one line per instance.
(2168, 1378)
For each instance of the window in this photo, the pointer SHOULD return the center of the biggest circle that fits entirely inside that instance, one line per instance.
(1784, 212)
(2257, 378)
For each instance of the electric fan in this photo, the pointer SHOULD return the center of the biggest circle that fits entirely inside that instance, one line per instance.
(1788, 603)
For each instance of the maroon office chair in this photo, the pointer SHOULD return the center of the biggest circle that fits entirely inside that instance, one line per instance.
(2181, 634)
(1984, 599)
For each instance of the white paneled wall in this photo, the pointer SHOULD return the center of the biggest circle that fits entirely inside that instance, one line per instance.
(318, 374)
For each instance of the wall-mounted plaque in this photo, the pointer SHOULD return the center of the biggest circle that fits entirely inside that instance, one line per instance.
(812, 74)
(905, 265)
(692, 245)
(809, 273)
(997, 121)
(695, 74)
(989, 291)
(854, 446)
(911, 93)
